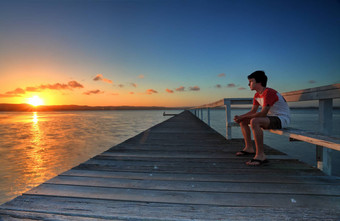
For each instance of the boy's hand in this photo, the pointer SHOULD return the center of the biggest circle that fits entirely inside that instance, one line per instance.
(237, 119)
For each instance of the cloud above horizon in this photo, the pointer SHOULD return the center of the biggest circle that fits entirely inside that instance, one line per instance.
(221, 75)
(15, 93)
(100, 77)
(93, 92)
(57, 86)
(151, 91)
(169, 91)
(180, 89)
(194, 88)
(231, 85)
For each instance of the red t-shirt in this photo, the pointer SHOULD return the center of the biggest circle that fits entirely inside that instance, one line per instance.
(278, 105)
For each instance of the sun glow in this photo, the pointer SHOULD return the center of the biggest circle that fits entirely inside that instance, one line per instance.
(35, 101)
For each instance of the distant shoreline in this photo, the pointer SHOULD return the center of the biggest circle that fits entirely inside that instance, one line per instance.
(42, 108)
(45, 108)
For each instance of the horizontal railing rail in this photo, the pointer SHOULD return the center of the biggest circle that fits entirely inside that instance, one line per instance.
(324, 143)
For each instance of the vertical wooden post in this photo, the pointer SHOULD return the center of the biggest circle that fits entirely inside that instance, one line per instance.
(323, 154)
(201, 114)
(209, 116)
(227, 106)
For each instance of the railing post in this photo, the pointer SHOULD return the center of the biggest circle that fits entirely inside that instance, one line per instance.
(227, 106)
(201, 114)
(323, 154)
(208, 116)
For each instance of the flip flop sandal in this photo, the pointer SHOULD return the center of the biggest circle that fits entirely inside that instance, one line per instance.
(257, 162)
(243, 153)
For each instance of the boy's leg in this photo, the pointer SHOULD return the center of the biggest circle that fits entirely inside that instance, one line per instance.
(247, 136)
(256, 125)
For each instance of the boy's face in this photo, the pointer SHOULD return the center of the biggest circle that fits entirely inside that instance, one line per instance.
(252, 83)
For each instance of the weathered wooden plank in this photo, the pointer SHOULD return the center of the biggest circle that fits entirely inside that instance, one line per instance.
(218, 177)
(324, 92)
(10, 215)
(166, 147)
(111, 209)
(188, 197)
(199, 157)
(214, 104)
(199, 186)
(192, 165)
(178, 155)
(310, 137)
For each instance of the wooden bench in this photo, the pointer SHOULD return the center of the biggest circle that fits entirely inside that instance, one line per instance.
(309, 137)
(325, 143)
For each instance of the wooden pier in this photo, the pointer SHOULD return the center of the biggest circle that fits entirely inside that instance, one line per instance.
(181, 169)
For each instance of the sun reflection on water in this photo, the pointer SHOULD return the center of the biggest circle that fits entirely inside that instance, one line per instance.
(35, 160)
(35, 118)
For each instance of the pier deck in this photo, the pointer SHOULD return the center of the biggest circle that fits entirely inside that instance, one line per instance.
(181, 170)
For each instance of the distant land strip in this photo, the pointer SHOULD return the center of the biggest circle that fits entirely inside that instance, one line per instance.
(30, 108)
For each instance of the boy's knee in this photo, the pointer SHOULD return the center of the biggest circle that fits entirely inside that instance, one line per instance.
(243, 123)
(254, 123)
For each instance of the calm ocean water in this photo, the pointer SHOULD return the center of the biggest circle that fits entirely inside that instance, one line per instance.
(35, 147)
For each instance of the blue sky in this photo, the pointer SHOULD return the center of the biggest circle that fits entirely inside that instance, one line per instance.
(206, 47)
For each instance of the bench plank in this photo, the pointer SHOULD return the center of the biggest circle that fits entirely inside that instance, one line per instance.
(310, 137)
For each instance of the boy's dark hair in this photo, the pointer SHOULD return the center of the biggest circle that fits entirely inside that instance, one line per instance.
(259, 76)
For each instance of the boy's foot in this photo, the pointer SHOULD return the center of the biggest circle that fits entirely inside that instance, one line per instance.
(256, 162)
(243, 153)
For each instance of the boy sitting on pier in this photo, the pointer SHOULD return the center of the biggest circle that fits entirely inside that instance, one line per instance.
(274, 114)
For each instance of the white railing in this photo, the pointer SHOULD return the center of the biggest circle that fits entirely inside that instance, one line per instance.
(322, 140)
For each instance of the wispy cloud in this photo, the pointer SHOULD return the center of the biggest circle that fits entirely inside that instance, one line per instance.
(8, 95)
(231, 85)
(100, 77)
(241, 88)
(33, 89)
(131, 92)
(311, 81)
(15, 93)
(194, 88)
(151, 91)
(75, 84)
(180, 89)
(218, 86)
(121, 85)
(141, 76)
(93, 92)
(221, 75)
(57, 86)
(169, 91)
(133, 84)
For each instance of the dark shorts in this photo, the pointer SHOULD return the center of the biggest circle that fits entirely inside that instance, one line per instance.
(275, 122)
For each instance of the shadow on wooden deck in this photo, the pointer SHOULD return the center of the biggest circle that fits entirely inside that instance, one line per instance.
(181, 169)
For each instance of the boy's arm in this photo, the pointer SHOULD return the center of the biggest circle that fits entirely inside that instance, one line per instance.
(262, 113)
(249, 114)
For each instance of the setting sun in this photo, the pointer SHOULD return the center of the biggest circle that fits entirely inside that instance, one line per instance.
(35, 101)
